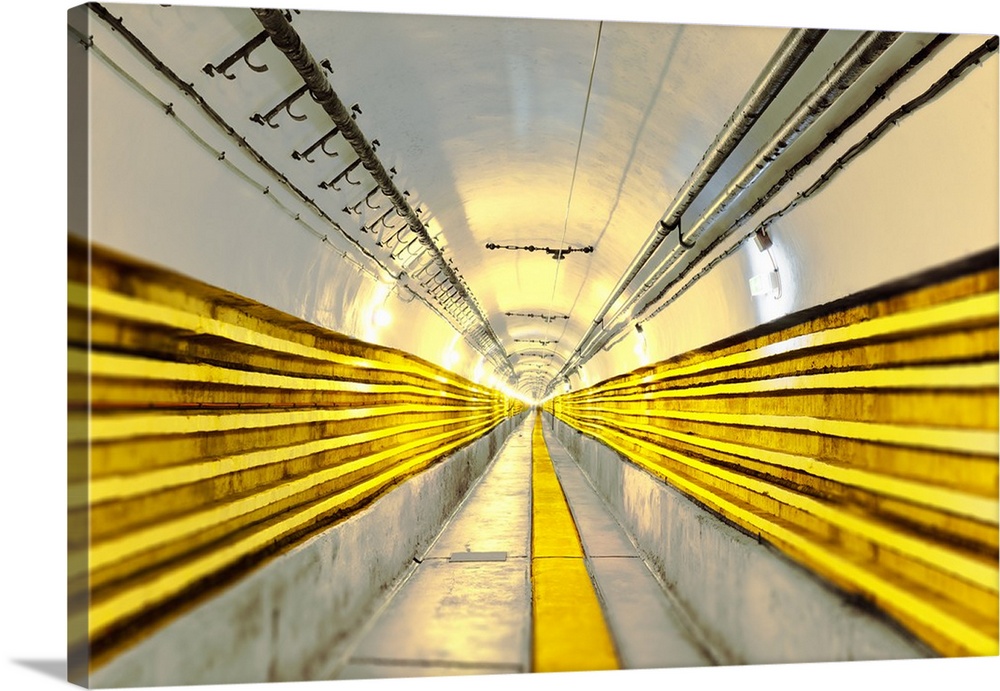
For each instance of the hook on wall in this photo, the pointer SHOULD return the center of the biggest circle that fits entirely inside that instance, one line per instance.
(355, 210)
(343, 175)
(321, 142)
(285, 105)
(381, 220)
(243, 53)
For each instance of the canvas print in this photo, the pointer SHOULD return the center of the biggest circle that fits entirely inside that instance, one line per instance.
(412, 345)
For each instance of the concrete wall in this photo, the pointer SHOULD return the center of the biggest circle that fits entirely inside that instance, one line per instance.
(751, 604)
(290, 619)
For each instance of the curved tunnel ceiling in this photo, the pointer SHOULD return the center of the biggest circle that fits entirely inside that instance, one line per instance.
(567, 136)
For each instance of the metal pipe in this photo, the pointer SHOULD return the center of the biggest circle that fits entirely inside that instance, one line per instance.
(287, 40)
(793, 51)
(831, 137)
(866, 50)
(863, 53)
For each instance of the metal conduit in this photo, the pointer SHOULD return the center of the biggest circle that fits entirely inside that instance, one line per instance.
(831, 137)
(792, 52)
(288, 41)
(859, 58)
(797, 45)
(865, 51)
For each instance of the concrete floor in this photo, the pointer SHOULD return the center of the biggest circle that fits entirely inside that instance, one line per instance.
(466, 608)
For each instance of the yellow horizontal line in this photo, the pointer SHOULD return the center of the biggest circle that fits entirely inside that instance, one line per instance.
(969, 569)
(953, 439)
(130, 367)
(99, 427)
(941, 498)
(105, 613)
(977, 376)
(978, 308)
(105, 553)
(125, 307)
(129, 485)
(569, 630)
(898, 599)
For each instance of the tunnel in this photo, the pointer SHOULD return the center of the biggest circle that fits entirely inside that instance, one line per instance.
(408, 345)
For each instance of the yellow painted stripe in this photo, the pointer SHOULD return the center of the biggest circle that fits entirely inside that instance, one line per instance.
(125, 307)
(953, 501)
(108, 552)
(104, 613)
(100, 427)
(131, 367)
(976, 376)
(569, 630)
(957, 440)
(975, 571)
(126, 486)
(981, 308)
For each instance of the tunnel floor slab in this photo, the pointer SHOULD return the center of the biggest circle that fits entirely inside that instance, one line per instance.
(459, 612)
(649, 631)
(456, 616)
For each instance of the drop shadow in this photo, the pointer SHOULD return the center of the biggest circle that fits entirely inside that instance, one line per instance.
(55, 668)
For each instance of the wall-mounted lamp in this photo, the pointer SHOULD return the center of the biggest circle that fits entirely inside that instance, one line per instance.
(767, 282)
(641, 346)
(762, 240)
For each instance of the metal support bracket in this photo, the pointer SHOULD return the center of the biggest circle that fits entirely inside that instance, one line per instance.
(343, 175)
(676, 225)
(242, 53)
(321, 143)
(285, 105)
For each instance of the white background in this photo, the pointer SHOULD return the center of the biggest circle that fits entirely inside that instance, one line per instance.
(32, 252)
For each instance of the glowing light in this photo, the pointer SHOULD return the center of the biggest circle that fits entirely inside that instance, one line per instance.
(772, 281)
(451, 357)
(511, 393)
(641, 346)
(381, 317)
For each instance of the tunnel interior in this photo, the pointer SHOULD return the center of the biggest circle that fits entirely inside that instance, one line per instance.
(716, 302)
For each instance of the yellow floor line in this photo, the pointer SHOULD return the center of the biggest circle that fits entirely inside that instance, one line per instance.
(569, 630)
(947, 631)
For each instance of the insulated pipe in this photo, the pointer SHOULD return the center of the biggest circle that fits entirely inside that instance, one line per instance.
(797, 45)
(287, 40)
(861, 56)
(792, 52)
(832, 136)
(866, 50)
